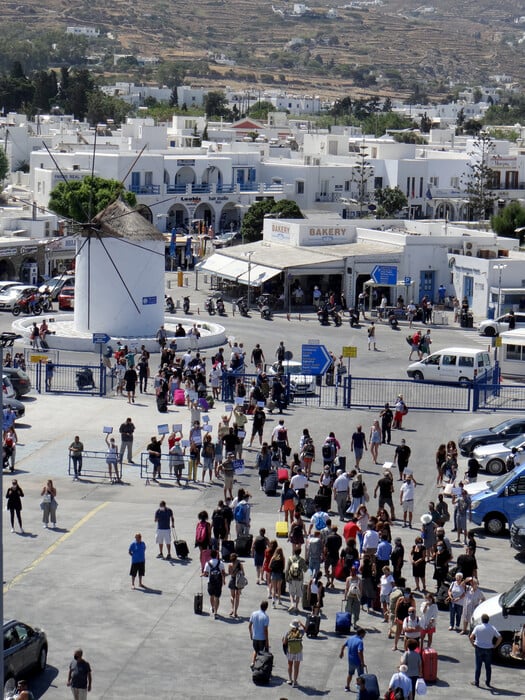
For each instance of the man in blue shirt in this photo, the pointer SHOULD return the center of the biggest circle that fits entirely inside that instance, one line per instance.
(383, 552)
(402, 681)
(164, 520)
(258, 628)
(137, 551)
(356, 655)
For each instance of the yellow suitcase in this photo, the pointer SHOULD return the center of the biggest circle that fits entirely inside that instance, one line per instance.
(281, 528)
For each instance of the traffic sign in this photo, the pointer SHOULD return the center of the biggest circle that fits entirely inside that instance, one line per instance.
(408, 281)
(101, 337)
(315, 359)
(384, 274)
(38, 358)
(349, 351)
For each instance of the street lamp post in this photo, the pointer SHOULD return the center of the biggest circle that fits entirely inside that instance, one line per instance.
(249, 256)
(500, 268)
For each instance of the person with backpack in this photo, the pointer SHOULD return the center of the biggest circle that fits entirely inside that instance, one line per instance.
(307, 456)
(318, 520)
(288, 501)
(293, 640)
(358, 445)
(241, 514)
(329, 451)
(203, 536)
(352, 596)
(314, 552)
(215, 572)
(259, 545)
(358, 492)
(296, 567)
(219, 525)
(280, 438)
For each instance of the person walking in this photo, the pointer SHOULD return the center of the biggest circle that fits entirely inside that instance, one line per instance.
(137, 552)
(234, 569)
(276, 566)
(296, 567)
(214, 571)
(385, 487)
(358, 445)
(49, 504)
(356, 655)
(258, 628)
(341, 490)
(293, 640)
(387, 417)
(401, 680)
(126, 431)
(79, 677)
(352, 596)
(401, 456)
(374, 439)
(164, 521)
(75, 452)
(484, 638)
(412, 660)
(14, 497)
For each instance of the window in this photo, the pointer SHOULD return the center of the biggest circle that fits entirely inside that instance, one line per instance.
(23, 632)
(378, 183)
(517, 488)
(466, 362)
(448, 360)
(434, 181)
(454, 182)
(299, 187)
(432, 360)
(347, 185)
(513, 352)
(332, 147)
(511, 180)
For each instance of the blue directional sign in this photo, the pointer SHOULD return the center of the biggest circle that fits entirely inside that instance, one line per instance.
(384, 274)
(315, 359)
(408, 281)
(146, 301)
(101, 337)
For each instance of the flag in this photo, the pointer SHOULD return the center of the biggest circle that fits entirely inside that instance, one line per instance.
(428, 193)
(172, 242)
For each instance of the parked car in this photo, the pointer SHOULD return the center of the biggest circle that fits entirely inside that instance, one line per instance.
(225, 240)
(9, 392)
(25, 649)
(493, 457)
(19, 379)
(56, 284)
(17, 406)
(507, 613)
(451, 365)
(517, 534)
(12, 296)
(501, 503)
(7, 284)
(66, 299)
(487, 436)
(300, 383)
(495, 326)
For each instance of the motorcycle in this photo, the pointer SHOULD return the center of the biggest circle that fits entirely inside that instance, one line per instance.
(354, 319)
(323, 316)
(266, 313)
(336, 317)
(221, 310)
(169, 304)
(26, 306)
(392, 320)
(242, 306)
(264, 304)
(209, 305)
(46, 303)
(85, 379)
(186, 305)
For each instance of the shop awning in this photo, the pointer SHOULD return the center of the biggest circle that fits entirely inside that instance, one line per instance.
(257, 275)
(237, 270)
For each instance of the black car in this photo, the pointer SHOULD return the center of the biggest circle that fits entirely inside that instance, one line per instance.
(502, 432)
(19, 379)
(17, 406)
(25, 649)
(517, 534)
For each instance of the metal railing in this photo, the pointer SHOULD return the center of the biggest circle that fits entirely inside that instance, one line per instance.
(61, 378)
(93, 466)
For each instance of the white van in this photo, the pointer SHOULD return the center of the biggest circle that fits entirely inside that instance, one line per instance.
(451, 365)
(507, 613)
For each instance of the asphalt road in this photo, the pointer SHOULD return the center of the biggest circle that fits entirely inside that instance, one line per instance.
(74, 581)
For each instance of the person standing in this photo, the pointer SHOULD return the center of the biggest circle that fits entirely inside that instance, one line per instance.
(14, 497)
(164, 521)
(137, 552)
(387, 417)
(374, 439)
(401, 457)
(143, 368)
(400, 409)
(352, 596)
(79, 678)
(293, 640)
(385, 486)
(358, 445)
(484, 638)
(112, 459)
(296, 567)
(259, 419)
(412, 660)
(154, 450)
(341, 489)
(258, 628)
(356, 655)
(161, 337)
(75, 451)
(215, 572)
(406, 500)
(49, 503)
(371, 333)
(126, 431)
(130, 379)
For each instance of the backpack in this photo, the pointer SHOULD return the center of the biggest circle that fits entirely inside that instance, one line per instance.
(357, 489)
(217, 520)
(240, 513)
(296, 535)
(201, 532)
(353, 590)
(215, 575)
(319, 522)
(308, 450)
(281, 435)
(295, 569)
(328, 450)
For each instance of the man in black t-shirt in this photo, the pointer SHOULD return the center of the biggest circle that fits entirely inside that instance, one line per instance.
(385, 487)
(401, 457)
(387, 417)
(79, 677)
(332, 547)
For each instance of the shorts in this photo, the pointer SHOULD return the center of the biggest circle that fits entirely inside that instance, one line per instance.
(408, 506)
(214, 590)
(358, 451)
(259, 645)
(138, 568)
(352, 668)
(276, 576)
(331, 560)
(384, 598)
(295, 587)
(163, 537)
(258, 559)
(228, 482)
(430, 630)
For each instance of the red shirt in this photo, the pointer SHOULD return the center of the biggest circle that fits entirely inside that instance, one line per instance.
(350, 530)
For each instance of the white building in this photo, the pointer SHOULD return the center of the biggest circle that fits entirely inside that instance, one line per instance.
(83, 31)
(191, 96)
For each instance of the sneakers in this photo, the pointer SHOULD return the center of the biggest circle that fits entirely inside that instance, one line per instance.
(12, 529)
(160, 556)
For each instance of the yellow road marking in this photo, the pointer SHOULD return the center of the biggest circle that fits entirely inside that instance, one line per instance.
(54, 546)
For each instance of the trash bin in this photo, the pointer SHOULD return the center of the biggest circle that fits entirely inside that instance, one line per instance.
(463, 319)
(490, 312)
(341, 462)
(470, 321)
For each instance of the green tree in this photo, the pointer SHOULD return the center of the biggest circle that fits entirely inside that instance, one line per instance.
(81, 200)
(260, 110)
(252, 223)
(391, 200)
(479, 176)
(361, 174)
(4, 165)
(101, 107)
(512, 217)
(215, 104)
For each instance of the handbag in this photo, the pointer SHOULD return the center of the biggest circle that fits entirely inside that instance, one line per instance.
(241, 581)
(421, 687)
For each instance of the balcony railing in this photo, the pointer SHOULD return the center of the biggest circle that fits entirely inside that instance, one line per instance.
(144, 189)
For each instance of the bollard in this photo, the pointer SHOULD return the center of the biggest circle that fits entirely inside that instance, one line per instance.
(288, 316)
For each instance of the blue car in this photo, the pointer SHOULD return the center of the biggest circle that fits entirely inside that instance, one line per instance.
(501, 502)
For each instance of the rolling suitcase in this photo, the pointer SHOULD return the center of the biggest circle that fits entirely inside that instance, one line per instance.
(306, 604)
(181, 547)
(262, 668)
(312, 625)
(162, 403)
(44, 344)
(243, 545)
(343, 622)
(178, 397)
(309, 507)
(429, 657)
(197, 602)
(270, 484)
(323, 501)
(371, 685)
(227, 549)
(281, 528)
(282, 475)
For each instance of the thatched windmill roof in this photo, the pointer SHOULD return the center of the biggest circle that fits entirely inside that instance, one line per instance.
(118, 220)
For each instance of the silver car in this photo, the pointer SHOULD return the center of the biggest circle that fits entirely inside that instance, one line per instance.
(493, 457)
(494, 326)
(300, 383)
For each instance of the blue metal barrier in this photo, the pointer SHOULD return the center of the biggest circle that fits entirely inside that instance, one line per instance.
(62, 378)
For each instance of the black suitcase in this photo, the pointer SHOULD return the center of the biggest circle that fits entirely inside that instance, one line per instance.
(262, 668)
(306, 597)
(227, 549)
(243, 545)
(323, 501)
(162, 403)
(197, 602)
(44, 344)
(270, 484)
(309, 507)
(371, 685)
(312, 625)
(181, 547)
